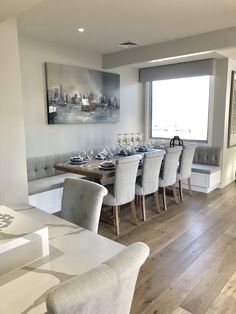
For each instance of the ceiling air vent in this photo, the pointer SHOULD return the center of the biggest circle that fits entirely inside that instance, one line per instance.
(127, 44)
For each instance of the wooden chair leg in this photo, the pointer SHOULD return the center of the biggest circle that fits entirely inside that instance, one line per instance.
(144, 208)
(181, 191)
(116, 219)
(175, 193)
(156, 199)
(133, 211)
(164, 198)
(190, 186)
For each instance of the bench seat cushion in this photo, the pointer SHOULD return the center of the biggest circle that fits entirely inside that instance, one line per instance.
(207, 169)
(50, 183)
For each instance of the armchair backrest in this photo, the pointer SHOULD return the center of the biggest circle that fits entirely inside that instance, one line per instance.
(151, 169)
(186, 160)
(170, 165)
(109, 288)
(82, 202)
(125, 177)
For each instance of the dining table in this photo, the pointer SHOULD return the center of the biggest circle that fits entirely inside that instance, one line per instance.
(73, 250)
(90, 169)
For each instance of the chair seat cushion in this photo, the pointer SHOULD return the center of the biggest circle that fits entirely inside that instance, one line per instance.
(50, 183)
(208, 169)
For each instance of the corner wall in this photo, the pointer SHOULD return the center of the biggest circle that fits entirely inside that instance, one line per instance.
(229, 154)
(43, 139)
(13, 183)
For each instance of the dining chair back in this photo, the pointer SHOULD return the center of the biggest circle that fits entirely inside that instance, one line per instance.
(185, 167)
(169, 172)
(109, 288)
(147, 183)
(82, 202)
(125, 177)
(123, 189)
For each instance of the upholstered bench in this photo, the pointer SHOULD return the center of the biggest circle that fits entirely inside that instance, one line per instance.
(206, 169)
(45, 182)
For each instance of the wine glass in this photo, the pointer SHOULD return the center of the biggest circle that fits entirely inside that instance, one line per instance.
(91, 154)
(120, 139)
(83, 155)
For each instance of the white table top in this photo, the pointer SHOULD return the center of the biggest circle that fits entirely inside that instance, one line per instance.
(73, 250)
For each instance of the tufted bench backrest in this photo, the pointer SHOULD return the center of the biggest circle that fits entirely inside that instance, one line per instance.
(207, 155)
(41, 167)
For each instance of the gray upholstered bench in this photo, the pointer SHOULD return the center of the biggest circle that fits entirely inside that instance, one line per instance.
(45, 182)
(206, 169)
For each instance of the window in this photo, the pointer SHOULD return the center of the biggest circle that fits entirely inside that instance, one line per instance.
(180, 107)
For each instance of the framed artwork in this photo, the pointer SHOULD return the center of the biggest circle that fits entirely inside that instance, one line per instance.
(79, 95)
(232, 112)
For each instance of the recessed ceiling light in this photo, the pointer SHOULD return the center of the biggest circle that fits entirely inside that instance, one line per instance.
(81, 29)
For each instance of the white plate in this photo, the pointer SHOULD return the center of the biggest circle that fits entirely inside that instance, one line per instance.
(77, 162)
(107, 168)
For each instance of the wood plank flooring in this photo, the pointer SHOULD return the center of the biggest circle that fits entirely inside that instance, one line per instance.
(192, 264)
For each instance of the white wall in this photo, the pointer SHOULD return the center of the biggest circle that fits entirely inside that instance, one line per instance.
(43, 139)
(229, 154)
(13, 183)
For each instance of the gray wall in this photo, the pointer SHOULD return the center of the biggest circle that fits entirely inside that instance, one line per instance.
(44, 139)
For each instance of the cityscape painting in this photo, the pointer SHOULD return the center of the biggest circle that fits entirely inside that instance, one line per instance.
(79, 95)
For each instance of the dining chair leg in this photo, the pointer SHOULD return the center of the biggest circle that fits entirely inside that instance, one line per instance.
(156, 199)
(133, 211)
(164, 198)
(144, 208)
(139, 200)
(175, 193)
(116, 219)
(190, 186)
(181, 191)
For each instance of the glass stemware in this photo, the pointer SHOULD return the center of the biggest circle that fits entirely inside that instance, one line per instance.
(91, 154)
(83, 155)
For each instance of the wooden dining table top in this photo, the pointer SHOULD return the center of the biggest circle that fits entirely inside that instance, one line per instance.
(90, 169)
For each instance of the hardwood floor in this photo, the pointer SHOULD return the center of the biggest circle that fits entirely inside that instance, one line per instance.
(192, 264)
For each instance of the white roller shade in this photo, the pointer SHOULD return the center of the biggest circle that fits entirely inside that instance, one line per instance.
(178, 70)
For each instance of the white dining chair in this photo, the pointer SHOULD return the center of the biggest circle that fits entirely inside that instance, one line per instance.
(169, 172)
(82, 202)
(147, 183)
(185, 168)
(106, 289)
(123, 189)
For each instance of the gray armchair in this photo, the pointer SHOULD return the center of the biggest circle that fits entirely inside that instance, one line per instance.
(185, 168)
(123, 189)
(147, 183)
(107, 289)
(82, 202)
(169, 172)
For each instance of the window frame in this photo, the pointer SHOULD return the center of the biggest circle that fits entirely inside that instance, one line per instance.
(210, 114)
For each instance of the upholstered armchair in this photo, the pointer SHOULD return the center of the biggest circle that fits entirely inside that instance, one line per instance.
(82, 202)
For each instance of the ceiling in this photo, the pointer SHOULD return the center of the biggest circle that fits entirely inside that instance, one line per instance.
(11, 8)
(108, 22)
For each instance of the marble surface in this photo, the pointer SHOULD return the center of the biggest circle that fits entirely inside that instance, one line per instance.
(72, 251)
(22, 240)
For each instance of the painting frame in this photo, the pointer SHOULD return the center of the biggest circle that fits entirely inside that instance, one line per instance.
(77, 95)
(232, 112)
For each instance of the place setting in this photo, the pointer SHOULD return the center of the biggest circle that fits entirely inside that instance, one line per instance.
(77, 160)
(107, 165)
